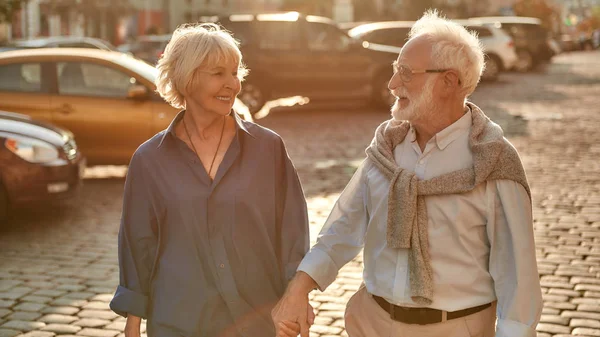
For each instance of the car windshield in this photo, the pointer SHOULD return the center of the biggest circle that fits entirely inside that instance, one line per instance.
(144, 69)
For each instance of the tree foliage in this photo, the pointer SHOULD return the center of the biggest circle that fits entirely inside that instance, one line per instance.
(8, 8)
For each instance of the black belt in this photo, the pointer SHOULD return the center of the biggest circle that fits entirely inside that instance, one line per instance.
(423, 316)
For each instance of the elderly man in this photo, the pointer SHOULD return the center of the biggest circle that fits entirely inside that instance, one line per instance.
(441, 207)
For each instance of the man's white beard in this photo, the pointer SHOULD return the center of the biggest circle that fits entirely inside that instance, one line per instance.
(418, 108)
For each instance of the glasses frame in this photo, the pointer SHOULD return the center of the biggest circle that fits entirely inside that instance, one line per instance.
(408, 76)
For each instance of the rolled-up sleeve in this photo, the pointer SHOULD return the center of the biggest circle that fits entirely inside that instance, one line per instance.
(292, 214)
(513, 263)
(342, 236)
(138, 241)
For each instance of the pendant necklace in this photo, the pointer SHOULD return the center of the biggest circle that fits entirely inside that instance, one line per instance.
(194, 147)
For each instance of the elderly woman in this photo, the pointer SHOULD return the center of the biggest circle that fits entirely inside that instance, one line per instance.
(214, 218)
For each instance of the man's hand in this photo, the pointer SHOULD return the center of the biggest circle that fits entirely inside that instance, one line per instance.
(132, 326)
(293, 314)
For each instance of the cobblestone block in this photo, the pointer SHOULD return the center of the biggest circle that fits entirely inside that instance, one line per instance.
(68, 302)
(23, 325)
(58, 319)
(71, 287)
(36, 299)
(7, 303)
(9, 332)
(101, 314)
(62, 329)
(29, 306)
(96, 306)
(330, 330)
(553, 328)
(38, 334)
(79, 295)
(68, 311)
(97, 333)
(556, 319)
(583, 286)
(49, 293)
(91, 322)
(8, 284)
(586, 332)
(581, 314)
(23, 316)
(584, 323)
(102, 298)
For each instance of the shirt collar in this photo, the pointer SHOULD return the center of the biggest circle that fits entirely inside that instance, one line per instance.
(450, 133)
(240, 124)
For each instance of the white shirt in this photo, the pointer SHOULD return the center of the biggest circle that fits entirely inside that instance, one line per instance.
(481, 242)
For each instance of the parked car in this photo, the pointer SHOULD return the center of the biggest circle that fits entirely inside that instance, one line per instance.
(499, 47)
(63, 42)
(290, 54)
(533, 43)
(148, 47)
(38, 162)
(107, 99)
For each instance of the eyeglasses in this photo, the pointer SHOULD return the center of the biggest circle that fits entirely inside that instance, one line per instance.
(406, 73)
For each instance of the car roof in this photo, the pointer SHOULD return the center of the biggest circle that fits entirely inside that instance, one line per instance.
(367, 27)
(269, 16)
(155, 38)
(507, 19)
(53, 52)
(53, 39)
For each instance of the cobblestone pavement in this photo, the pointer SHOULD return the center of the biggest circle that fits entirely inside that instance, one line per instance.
(58, 265)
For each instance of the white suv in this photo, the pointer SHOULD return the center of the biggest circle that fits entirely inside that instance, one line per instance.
(391, 36)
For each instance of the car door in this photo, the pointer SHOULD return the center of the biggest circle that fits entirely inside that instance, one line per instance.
(339, 66)
(24, 89)
(92, 102)
(280, 63)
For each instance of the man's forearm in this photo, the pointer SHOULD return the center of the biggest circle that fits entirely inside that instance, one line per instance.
(302, 283)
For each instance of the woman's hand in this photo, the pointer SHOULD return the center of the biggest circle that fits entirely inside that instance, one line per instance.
(132, 326)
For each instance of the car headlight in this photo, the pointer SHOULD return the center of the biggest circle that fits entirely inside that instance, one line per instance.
(32, 150)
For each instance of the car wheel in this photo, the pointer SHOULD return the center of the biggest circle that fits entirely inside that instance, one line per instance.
(492, 68)
(382, 97)
(3, 204)
(253, 96)
(525, 61)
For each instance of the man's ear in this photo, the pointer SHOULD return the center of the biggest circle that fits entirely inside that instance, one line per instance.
(451, 79)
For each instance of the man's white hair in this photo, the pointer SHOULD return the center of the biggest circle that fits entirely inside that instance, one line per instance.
(454, 47)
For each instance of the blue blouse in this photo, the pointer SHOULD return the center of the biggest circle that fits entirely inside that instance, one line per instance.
(210, 258)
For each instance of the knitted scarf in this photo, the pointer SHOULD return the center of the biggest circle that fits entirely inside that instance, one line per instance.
(494, 158)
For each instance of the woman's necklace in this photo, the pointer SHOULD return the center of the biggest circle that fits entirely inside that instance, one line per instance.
(194, 147)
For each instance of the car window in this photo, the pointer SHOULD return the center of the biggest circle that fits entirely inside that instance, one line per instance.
(279, 35)
(481, 31)
(388, 36)
(321, 36)
(25, 77)
(88, 79)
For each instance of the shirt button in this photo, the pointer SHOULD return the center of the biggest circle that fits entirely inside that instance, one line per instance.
(222, 265)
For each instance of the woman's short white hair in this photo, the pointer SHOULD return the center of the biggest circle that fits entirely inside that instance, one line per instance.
(454, 47)
(192, 46)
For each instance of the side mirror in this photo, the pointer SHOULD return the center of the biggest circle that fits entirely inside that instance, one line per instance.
(137, 92)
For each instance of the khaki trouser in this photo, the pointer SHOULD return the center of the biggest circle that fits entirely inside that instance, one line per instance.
(365, 318)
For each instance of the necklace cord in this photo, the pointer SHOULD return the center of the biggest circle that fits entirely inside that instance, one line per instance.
(194, 147)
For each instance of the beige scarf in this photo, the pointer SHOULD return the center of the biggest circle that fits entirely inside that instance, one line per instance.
(494, 158)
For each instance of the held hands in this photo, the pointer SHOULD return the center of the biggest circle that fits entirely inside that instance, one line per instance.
(132, 326)
(293, 314)
(288, 321)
